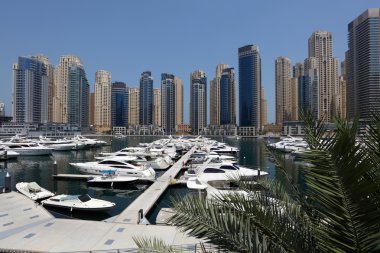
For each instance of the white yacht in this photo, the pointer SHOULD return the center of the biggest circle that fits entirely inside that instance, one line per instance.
(33, 191)
(157, 163)
(27, 148)
(78, 202)
(110, 178)
(57, 145)
(121, 166)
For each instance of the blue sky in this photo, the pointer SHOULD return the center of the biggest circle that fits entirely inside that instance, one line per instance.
(168, 36)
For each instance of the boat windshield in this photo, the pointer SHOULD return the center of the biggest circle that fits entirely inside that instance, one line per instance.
(84, 198)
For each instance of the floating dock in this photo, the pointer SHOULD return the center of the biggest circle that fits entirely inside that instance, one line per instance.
(151, 195)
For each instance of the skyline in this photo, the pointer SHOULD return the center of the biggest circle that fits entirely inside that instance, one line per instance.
(112, 37)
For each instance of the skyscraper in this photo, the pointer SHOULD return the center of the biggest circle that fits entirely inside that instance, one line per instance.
(119, 108)
(157, 107)
(103, 88)
(215, 95)
(320, 49)
(283, 89)
(168, 103)
(2, 109)
(264, 112)
(363, 70)
(227, 97)
(178, 101)
(134, 106)
(50, 86)
(78, 96)
(61, 83)
(198, 101)
(30, 91)
(146, 98)
(250, 86)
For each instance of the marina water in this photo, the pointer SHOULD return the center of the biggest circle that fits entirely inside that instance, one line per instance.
(253, 154)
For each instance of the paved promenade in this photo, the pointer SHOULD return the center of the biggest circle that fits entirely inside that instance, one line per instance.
(151, 195)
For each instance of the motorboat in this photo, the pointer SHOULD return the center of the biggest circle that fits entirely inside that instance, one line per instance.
(27, 148)
(57, 145)
(7, 154)
(78, 202)
(157, 163)
(121, 166)
(110, 178)
(33, 191)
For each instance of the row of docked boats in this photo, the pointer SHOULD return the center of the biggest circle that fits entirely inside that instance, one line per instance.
(294, 145)
(19, 145)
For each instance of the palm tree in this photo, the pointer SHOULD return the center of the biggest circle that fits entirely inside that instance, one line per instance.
(339, 211)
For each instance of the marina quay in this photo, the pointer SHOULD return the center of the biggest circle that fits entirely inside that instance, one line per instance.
(28, 224)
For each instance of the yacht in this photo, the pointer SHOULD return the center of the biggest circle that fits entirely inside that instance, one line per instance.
(27, 148)
(57, 145)
(157, 163)
(110, 178)
(78, 202)
(33, 191)
(121, 166)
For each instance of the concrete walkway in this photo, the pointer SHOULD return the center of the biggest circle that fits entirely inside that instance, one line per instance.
(151, 195)
(27, 227)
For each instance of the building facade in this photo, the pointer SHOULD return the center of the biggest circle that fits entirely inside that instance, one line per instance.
(103, 88)
(321, 50)
(61, 84)
(283, 89)
(363, 64)
(146, 98)
(157, 107)
(30, 91)
(168, 103)
(249, 87)
(178, 101)
(134, 106)
(215, 95)
(198, 101)
(227, 97)
(78, 97)
(119, 104)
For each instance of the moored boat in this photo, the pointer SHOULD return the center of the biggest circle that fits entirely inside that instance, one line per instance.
(78, 202)
(33, 191)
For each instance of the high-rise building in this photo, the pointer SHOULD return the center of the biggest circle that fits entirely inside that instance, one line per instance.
(171, 102)
(157, 107)
(103, 88)
(50, 76)
(2, 109)
(178, 101)
(78, 96)
(146, 98)
(320, 49)
(283, 89)
(264, 111)
(363, 64)
(61, 84)
(294, 110)
(250, 87)
(198, 101)
(30, 91)
(134, 106)
(215, 95)
(119, 108)
(227, 97)
(92, 109)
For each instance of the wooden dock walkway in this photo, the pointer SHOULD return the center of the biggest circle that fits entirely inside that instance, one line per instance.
(73, 177)
(151, 195)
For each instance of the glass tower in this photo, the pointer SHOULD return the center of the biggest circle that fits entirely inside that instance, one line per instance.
(119, 107)
(30, 91)
(363, 84)
(249, 86)
(168, 92)
(78, 94)
(198, 101)
(146, 98)
(227, 97)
